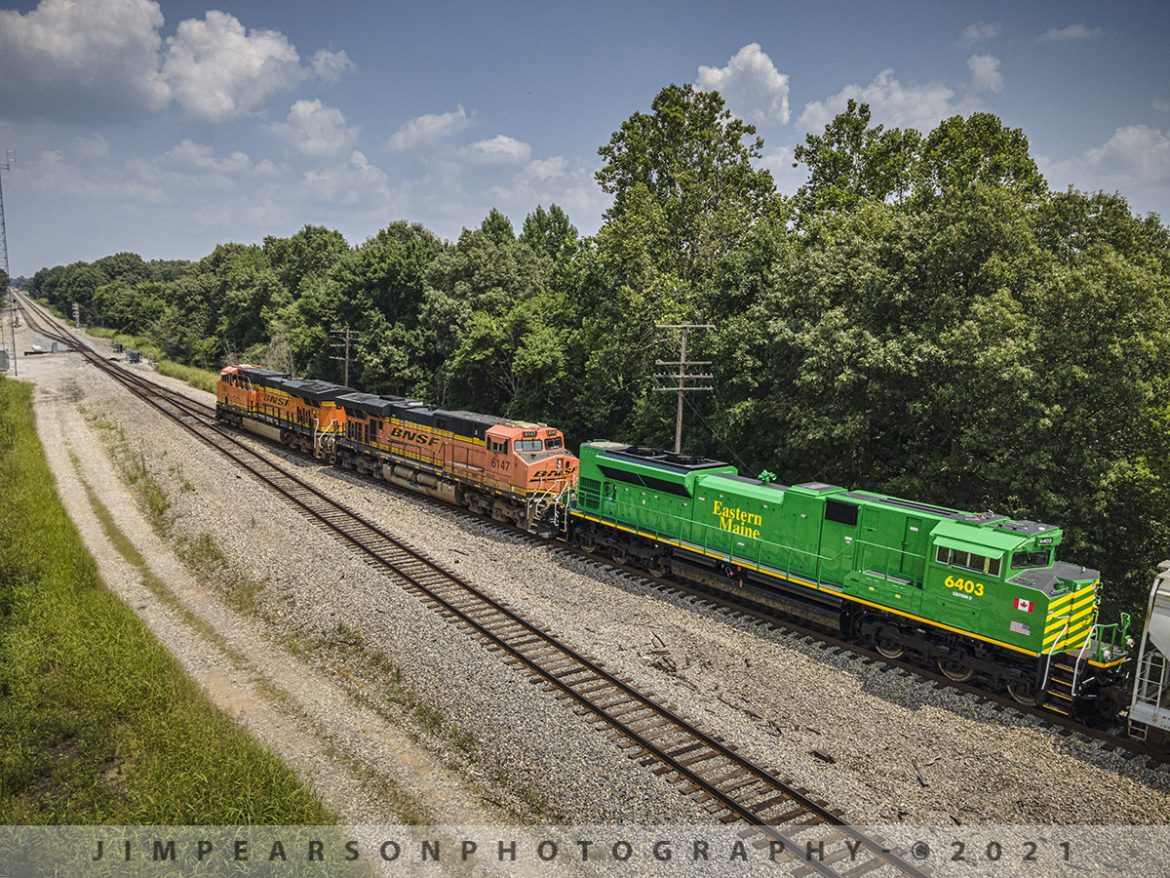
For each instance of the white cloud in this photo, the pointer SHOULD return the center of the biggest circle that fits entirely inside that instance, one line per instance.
(498, 150)
(751, 85)
(51, 173)
(892, 103)
(331, 66)
(428, 130)
(355, 182)
(551, 168)
(1071, 33)
(789, 174)
(985, 74)
(190, 156)
(314, 129)
(83, 61)
(544, 181)
(979, 31)
(218, 70)
(96, 147)
(1134, 160)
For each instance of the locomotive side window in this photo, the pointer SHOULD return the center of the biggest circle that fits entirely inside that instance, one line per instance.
(968, 561)
(844, 513)
(500, 447)
(550, 444)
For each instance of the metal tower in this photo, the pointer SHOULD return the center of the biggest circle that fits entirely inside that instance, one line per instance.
(7, 166)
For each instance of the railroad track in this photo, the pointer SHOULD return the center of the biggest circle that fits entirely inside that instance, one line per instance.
(732, 787)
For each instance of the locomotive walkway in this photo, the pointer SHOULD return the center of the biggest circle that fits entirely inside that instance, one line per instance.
(732, 787)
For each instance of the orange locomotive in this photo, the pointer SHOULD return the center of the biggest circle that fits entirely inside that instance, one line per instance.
(512, 470)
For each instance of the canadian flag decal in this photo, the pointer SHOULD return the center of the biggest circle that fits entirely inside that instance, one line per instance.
(1023, 605)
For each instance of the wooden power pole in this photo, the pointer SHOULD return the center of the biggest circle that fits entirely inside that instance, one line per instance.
(345, 339)
(682, 378)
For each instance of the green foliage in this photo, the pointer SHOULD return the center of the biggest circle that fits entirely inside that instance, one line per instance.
(99, 723)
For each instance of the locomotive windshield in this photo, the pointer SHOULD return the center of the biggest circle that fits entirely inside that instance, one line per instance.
(528, 445)
(550, 444)
(1022, 560)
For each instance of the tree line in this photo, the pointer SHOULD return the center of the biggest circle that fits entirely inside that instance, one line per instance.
(923, 317)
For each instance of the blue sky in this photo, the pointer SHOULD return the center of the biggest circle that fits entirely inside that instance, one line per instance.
(167, 129)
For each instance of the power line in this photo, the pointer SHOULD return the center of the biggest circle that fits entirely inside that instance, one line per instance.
(682, 377)
(723, 442)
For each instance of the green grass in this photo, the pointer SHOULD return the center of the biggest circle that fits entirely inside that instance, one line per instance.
(203, 379)
(98, 723)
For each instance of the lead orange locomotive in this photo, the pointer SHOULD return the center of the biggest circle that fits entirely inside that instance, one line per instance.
(512, 470)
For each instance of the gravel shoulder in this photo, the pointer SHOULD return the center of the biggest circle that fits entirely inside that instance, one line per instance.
(902, 751)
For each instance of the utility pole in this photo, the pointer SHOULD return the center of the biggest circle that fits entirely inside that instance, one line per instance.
(345, 339)
(5, 294)
(682, 376)
(7, 166)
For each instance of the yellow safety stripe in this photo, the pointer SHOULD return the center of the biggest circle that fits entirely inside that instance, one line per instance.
(1072, 630)
(1057, 603)
(1071, 643)
(1110, 664)
(811, 585)
(1085, 612)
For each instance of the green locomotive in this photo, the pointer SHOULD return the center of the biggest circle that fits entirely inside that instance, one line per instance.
(973, 593)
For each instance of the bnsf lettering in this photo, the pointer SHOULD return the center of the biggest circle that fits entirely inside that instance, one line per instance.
(541, 475)
(271, 398)
(412, 436)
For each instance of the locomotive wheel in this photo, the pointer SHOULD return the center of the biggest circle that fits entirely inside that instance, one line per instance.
(891, 649)
(657, 567)
(954, 669)
(1024, 693)
(586, 544)
(619, 554)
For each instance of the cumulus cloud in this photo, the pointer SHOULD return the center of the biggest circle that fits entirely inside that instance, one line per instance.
(498, 150)
(82, 61)
(429, 130)
(1134, 159)
(218, 69)
(353, 183)
(892, 103)
(96, 147)
(188, 155)
(314, 129)
(331, 66)
(548, 181)
(789, 174)
(1070, 34)
(105, 60)
(551, 168)
(751, 85)
(52, 173)
(980, 31)
(985, 74)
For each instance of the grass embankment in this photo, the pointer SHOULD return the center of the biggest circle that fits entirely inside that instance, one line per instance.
(203, 379)
(98, 723)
